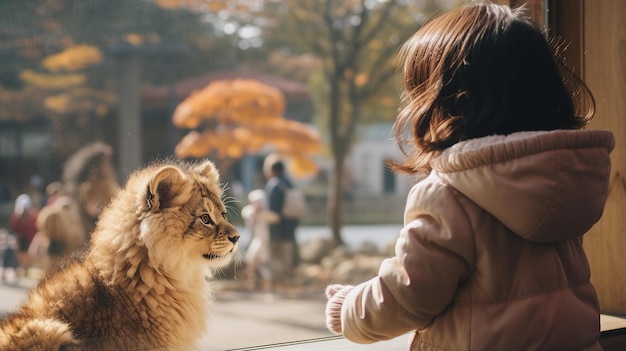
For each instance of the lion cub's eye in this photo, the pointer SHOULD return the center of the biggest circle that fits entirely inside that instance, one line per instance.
(206, 219)
(224, 215)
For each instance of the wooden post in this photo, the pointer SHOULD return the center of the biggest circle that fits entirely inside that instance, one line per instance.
(604, 70)
(130, 134)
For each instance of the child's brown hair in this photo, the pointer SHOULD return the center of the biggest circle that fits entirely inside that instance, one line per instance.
(480, 70)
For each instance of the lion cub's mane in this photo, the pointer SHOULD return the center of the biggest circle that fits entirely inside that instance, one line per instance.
(140, 285)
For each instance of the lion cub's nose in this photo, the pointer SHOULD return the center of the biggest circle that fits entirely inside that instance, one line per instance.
(233, 239)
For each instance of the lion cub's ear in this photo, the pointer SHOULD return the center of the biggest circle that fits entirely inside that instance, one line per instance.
(167, 188)
(208, 170)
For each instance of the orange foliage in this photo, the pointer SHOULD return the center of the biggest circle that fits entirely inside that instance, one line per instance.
(240, 101)
(73, 58)
(80, 100)
(203, 5)
(302, 166)
(248, 118)
(49, 81)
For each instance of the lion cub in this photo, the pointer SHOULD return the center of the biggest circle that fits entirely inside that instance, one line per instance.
(141, 283)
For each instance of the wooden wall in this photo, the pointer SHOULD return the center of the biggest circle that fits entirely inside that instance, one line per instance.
(604, 70)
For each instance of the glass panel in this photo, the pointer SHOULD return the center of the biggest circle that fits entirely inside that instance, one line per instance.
(92, 91)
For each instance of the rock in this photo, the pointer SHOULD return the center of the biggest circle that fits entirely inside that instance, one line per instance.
(341, 253)
(369, 248)
(315, 249)
(344, 272)
(357, 270)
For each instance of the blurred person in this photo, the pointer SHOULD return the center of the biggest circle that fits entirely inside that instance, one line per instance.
(89, 179)
(9, 260)
(59, 233)
(23, 223)
(38, 247)
(54, 191)
(283, 248)
(257, 218)
(491, 254)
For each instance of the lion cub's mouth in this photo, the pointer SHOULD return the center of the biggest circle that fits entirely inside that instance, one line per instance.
(211, 256)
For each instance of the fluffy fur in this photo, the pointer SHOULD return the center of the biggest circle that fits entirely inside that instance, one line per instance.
(141, 284)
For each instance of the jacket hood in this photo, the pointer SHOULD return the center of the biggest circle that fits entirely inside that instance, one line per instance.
(544, 186)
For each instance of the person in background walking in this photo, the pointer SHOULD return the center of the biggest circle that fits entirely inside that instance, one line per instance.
(283, 248)
(491, 254)
(60, 233)
(257, 218)
(23, 223)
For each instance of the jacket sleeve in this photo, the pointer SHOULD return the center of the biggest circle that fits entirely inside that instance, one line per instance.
(434, 254)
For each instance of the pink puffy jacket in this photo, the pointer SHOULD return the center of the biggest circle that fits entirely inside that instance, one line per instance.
(491, 255)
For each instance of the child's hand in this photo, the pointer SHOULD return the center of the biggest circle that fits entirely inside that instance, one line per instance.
(335, 293)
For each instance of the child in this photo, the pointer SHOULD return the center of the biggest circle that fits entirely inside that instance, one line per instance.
(257, 218)
(491, 255)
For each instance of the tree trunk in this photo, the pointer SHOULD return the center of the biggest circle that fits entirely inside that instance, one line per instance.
(342, 133)
(335, 200)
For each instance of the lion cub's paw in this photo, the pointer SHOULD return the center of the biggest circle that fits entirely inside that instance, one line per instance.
(43, 335)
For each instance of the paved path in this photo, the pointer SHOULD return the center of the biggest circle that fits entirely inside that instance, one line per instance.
(252, 319)
(239, 319)
(12, 295)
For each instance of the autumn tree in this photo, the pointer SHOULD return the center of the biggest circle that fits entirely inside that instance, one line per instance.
(357, 42)
(231, 118)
